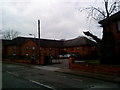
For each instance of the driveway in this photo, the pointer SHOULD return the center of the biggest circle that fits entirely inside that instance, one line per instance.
(62, 63)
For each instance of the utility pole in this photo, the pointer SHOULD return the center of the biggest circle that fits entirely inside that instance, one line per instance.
(39, 40)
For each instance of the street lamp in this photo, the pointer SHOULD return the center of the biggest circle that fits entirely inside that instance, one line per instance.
(32, 35)
(33, 56)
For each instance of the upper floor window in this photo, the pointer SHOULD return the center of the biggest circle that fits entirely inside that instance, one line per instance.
(33, 47)
(118, 24)
(65, 49)
(50, 48)
(14, 47)
(83, 48)
(27, 47)
(40, 48)
(78, 48)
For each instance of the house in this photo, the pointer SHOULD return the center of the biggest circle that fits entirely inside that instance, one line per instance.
(82, 47)
(4, 44)
(24, 47)
(13, 47)
(47, 47)
(111, 36)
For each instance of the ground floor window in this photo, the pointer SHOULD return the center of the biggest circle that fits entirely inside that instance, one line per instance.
(27, 54)
(14, 54)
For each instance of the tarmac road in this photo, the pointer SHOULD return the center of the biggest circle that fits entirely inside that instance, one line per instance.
(12, 81)
(48, 78)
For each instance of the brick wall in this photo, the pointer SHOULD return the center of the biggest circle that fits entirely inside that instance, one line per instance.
(103, 69)
(18, 61)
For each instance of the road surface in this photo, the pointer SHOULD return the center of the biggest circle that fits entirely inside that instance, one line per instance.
(46, 77)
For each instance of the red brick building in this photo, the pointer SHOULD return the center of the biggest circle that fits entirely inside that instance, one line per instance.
(111, 26)
(81, 47)
(29, 47)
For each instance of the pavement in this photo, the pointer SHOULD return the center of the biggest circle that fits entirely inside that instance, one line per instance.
(109, 78)
(104, 77)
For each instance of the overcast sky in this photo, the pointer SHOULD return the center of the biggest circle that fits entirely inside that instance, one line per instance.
(60, 19)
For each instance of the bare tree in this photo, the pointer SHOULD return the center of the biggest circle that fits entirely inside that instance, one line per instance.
(99, 13)
(10, 34)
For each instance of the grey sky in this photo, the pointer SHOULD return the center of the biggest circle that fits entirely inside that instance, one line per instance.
(60, 19)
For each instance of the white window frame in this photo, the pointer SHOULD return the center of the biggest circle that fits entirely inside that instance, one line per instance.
(14, 54)
(27, 54)
(33, 47)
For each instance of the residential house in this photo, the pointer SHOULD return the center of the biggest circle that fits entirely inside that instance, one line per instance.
(111, 34)
(82, 47)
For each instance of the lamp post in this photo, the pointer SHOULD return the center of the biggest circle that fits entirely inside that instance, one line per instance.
(39, 39)
(33, 57)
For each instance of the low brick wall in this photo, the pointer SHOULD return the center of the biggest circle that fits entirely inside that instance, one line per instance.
(18, 61)
(96, 68)
(27, 61)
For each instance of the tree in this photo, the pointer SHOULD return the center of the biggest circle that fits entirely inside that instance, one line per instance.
(10, 34)
(97, 13)
(106, 44)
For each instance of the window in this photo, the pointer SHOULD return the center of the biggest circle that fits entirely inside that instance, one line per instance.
(40, 48)
(118, 24)
(83, 48)
(50, 54)
(65, 49)
(14, 54)
(27, 47)
(27, 54)
(78, 48)
(14, 47)
(33, 48)
(50, 49)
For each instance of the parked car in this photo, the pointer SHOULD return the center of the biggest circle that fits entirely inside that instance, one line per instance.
(61, 56)
(67, 55)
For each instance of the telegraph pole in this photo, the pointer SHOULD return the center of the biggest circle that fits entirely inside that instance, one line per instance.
(39, 40)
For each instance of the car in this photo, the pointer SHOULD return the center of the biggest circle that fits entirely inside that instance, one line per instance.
(61, 56)
(67, 55)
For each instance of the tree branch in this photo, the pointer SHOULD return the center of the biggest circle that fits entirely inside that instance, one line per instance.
(93, 36)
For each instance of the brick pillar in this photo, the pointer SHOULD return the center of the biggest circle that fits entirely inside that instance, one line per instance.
(71, 60)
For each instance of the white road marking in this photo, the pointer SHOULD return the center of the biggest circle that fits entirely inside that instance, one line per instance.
(49, 68)
(42, 84)
(12, 73)
(33, 81)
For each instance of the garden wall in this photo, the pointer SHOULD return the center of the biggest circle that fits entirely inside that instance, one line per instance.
(95, 68)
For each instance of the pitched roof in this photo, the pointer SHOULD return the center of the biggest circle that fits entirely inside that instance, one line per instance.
(49, 43)
(53, 43)
(113, 17)
(17, 41)
(78, 42)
